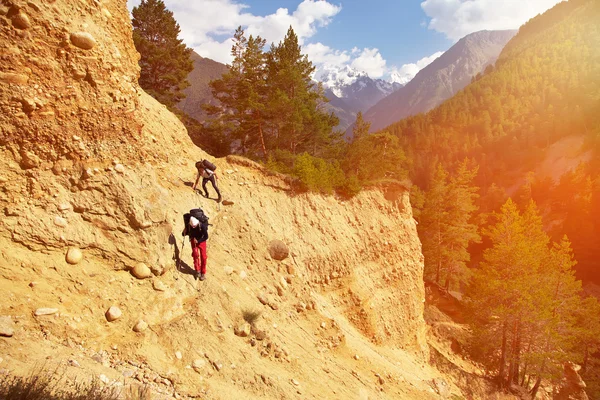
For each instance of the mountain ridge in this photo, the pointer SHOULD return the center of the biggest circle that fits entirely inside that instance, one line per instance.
(441, 79)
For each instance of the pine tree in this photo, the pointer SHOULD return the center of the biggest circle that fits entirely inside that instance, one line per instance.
(446, 227)
(361, 127)
(164, 59)
(297, 122)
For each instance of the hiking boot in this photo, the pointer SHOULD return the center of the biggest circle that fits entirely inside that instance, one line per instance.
(196, 275)
(202, 277)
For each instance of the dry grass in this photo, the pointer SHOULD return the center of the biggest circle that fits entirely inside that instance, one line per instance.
(251, 316)
(51, 385)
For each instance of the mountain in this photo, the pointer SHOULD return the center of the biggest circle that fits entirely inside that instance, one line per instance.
(350, 91)
(198, 93)
(441, 79)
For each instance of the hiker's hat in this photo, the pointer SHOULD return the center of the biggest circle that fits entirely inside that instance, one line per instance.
(194, 222)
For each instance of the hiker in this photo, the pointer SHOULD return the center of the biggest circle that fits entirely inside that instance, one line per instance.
(196, 227)
(206, 169)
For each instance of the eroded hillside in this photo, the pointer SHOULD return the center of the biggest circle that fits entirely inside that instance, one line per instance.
(90, 162)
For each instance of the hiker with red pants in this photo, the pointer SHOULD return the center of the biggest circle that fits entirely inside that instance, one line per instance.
(196, 227)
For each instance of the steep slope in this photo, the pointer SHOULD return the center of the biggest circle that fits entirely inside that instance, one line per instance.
(441, 79)
(92, 164)
(198, 93)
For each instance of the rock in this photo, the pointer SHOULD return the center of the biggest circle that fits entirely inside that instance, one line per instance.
(60, 221)
(141, 271)
(120, 168)
(178, 355)
(198, 364)
(127, 373)
(159, 285)
(21, 21)
(140, 326)
(243, 330)
(83, 40)
(243, 275)
(290, 269)
(113, 313)
(74, 363)
(441, 387)
(260, 335)
(228, 270)
(6, 326)
(227, 203)
(29, 160)
(45, 311)
(278, 250)
(262, 298)
(11, 77)
(218, 365)
(74, 255)
(356, 357)
(295, 382)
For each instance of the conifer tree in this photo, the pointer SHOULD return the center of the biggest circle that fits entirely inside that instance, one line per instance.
(164, 59)
(361, 127)
(297, 122)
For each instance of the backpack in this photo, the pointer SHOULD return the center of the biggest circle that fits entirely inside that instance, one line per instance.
(196, 213)
(208, 165)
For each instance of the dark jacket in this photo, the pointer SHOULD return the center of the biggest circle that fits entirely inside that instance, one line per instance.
(200, 233)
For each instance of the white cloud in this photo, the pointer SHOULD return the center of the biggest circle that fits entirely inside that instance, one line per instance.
(208, 25)
(457, 18)
(371, 62)
(408, 71)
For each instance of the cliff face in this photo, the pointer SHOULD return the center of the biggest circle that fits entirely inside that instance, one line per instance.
(89, 161)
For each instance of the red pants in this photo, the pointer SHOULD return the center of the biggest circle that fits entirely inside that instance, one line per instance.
(199, 256)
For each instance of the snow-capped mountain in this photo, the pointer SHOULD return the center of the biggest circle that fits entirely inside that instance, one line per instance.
(350, 91)
(356, 88)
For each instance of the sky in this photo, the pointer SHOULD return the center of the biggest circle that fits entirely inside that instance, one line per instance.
(388, 39)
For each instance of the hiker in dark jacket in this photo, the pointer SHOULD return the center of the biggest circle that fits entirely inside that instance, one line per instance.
(198, 232)
(207, 175)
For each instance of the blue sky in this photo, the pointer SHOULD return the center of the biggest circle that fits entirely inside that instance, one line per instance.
(389, 39)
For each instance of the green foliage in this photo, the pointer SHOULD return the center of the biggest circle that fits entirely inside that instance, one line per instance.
(446, 226)
(268, 102)
(523, 299)
(374, 157)
(165, 61)
(318, 175)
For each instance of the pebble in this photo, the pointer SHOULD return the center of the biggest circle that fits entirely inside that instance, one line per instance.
(6, 326)
(243, 274)
(141, 271)
(243, 330)
(140, 326)
(356, 357)
(159, 285)
(11, 77)
(45, 311)
(74, 255)
(228, 270)
(178, 355)
(21, 21)
(83, 40)
(60, 221)
(295, 382)
(198, 364)
(120, 168)
(113, 313)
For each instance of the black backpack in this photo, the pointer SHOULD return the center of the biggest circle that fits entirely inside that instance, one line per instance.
(196, 213)
(206, 165)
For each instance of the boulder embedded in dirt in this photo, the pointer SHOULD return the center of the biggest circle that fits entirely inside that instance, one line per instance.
(83, 40)
(21, 21)
(243, 330)
(113, 313)
(6, 326)
(141, 326)
(278, 250)
(74, 255)
(141, 271)
(45, 311)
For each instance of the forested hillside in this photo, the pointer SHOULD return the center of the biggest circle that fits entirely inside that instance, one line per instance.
(545, 86)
